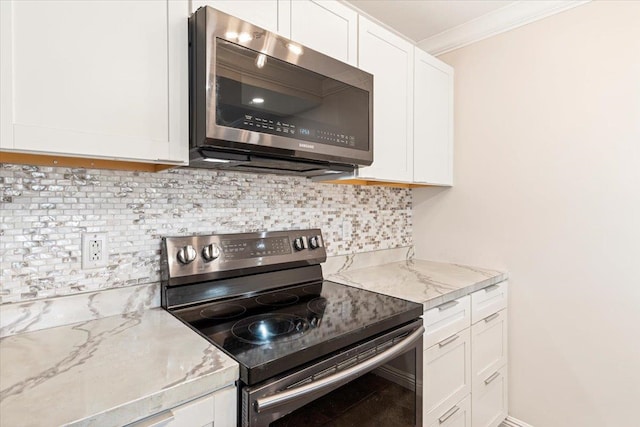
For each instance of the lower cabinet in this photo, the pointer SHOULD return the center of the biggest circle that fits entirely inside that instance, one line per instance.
(459, 415)
(465, 359)
(446, 375)
(489, 385)
(218, 409)
(225, 413)
(489, 346)
(489, 400)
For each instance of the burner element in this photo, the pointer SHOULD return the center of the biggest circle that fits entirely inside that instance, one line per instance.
(269, 327)
(313, 289)
(222, 311)
(278, 299)
(317, 305)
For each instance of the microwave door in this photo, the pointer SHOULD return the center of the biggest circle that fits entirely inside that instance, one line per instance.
(259, 93)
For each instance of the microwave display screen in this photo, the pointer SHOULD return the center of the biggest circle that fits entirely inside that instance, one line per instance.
(260, 93)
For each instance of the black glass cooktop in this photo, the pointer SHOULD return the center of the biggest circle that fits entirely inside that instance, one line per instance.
(278, 330)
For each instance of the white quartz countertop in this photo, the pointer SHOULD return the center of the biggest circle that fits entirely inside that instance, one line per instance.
(427, 282)
(107, 372)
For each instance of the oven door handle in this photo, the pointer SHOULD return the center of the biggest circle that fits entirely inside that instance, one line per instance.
(264, 404)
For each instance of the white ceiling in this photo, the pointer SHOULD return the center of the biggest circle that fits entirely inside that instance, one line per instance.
(421, 19)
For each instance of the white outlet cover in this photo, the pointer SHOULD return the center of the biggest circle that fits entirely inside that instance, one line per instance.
(92, 258)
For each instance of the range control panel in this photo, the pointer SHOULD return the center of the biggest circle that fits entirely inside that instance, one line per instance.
(202, 254)
(255, 248)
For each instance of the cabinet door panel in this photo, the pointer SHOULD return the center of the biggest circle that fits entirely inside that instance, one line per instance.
(6, 76)
(86, 82)
(488, 346)
(446, 375)
(433, 120)
(390, 59)
(489, 400)
(326, 26)
(267, 14)
(458, 415)
(83, 73)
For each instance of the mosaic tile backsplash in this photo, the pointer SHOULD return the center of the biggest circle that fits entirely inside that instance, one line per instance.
(45, 210)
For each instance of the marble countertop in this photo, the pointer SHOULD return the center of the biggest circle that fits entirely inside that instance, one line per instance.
(427, 282)
(107, 372)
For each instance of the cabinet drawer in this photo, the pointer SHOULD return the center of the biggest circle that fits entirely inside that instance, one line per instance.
(445, 320)
(216, 409)
(487, 301)
(489, 399)
(458, 415)
(488, 346)
(446, 376)
(225, 413)
(198, 412)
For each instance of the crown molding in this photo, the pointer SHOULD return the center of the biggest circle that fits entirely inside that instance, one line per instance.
(506, 18)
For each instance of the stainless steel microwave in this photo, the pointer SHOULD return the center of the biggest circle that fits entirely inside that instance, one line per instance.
(260, 102)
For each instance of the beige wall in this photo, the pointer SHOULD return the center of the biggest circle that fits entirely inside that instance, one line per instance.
(547, 186)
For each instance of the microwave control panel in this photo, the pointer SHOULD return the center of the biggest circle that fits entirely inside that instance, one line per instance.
(280, 127)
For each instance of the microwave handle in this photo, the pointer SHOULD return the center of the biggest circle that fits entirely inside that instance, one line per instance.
(267, 403)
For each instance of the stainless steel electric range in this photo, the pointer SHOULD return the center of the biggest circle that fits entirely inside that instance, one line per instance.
(311, 352)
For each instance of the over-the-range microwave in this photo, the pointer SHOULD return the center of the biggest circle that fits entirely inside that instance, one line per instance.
(260, 102)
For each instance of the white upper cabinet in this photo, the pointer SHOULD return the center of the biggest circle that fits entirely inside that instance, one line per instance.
(272, 15)
(326, 26)
(390, 59)
(432, 121)
(96, 79)
(109, 80)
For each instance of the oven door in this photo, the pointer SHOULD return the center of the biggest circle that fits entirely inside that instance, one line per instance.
(376, 383)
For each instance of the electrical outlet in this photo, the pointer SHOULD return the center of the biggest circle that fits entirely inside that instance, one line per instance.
(94, 250)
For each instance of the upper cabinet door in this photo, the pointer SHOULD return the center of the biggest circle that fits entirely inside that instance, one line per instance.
(96, 79)
(326, 26)
(433, 121)
(390, 59)
(272, 15)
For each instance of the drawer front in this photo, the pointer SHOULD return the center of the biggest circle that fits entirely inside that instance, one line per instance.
(487, 301)
(225, 413)
(446, 375)
(445, 320)
(458, 415)
(489, 401)
(198, 412)
(488, 345)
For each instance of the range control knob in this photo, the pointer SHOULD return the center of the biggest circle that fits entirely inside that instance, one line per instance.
(211, 252)
(187, 254)
(315, 242)
(300, 243)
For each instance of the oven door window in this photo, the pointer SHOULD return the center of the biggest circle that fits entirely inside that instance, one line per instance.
(260, 93)
(386, 396)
